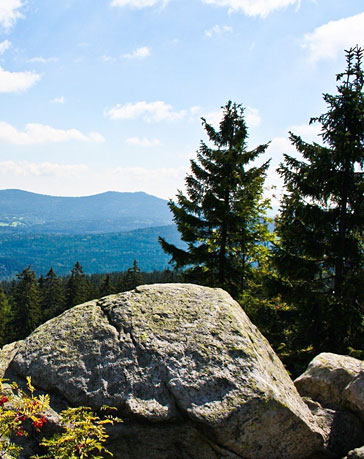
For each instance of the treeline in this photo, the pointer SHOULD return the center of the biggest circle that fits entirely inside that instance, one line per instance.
(27, 301)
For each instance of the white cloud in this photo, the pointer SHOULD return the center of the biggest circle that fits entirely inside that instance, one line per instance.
(107, 58)
(218, 30)
(94, 137)
(9, 13)
(4, 46)
(35, 133)
(251, 115)
(282, 145)
(149, 111)
(139, 53)
(158, 111)
(17, 81)
(83, 180)
(195, 109)
(162, 182)
(274, 182)
(144, 142)
(138, 3)
(26, 168)
(58, 100)
(254, 7)
(279, 146)
(308, 132)
(42, 60)
(213, 118)
(326, 41)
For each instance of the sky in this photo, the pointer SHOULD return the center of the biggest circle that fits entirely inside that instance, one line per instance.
(109, 94)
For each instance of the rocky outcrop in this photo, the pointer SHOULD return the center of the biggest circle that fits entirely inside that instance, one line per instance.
(334, 389)
(189, 373)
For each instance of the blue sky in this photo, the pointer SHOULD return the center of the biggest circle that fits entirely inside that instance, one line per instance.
(108, 94)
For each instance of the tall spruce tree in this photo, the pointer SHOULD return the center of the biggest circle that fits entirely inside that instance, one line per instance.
(53, 297)
(107, 287)
(320, 258)
(222, 217)
(26, 302)
(132, 278)
(77, 288)
(4, 318)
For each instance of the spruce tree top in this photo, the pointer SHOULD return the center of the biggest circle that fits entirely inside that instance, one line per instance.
(218, 215)
(333, 167)
(320, 258)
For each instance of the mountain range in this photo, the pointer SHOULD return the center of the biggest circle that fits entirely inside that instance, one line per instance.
(104, 232)
(101, 213)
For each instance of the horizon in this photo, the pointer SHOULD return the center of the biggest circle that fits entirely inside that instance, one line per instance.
(80, 196)
(108, 96)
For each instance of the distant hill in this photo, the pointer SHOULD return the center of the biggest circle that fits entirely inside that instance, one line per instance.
(101, 213)
(97, 253)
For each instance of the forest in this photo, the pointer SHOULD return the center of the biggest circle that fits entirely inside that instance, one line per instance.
(301, 283)
(28, 301)
(97, 253)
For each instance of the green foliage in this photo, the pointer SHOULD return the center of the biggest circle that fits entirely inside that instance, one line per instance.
(320, 256)
(97, 253)
(222, 218)
(26, 302)
(84, 436)
(53, 298)
(22, 413)
(5, 312)
(132, 278)
(107, 287)
(77, 289)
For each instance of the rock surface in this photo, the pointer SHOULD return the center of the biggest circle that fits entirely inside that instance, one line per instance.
(188, 371)
(344, 429)
(356, 453)
(353, 396)
(326, 378)
(337, 383)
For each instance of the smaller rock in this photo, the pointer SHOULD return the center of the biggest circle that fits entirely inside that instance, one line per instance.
(344, 430)
(353, 396)
(355, 453)
(7, 354)
(326, 378)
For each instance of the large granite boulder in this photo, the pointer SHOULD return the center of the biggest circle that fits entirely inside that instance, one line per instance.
(189, 373)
